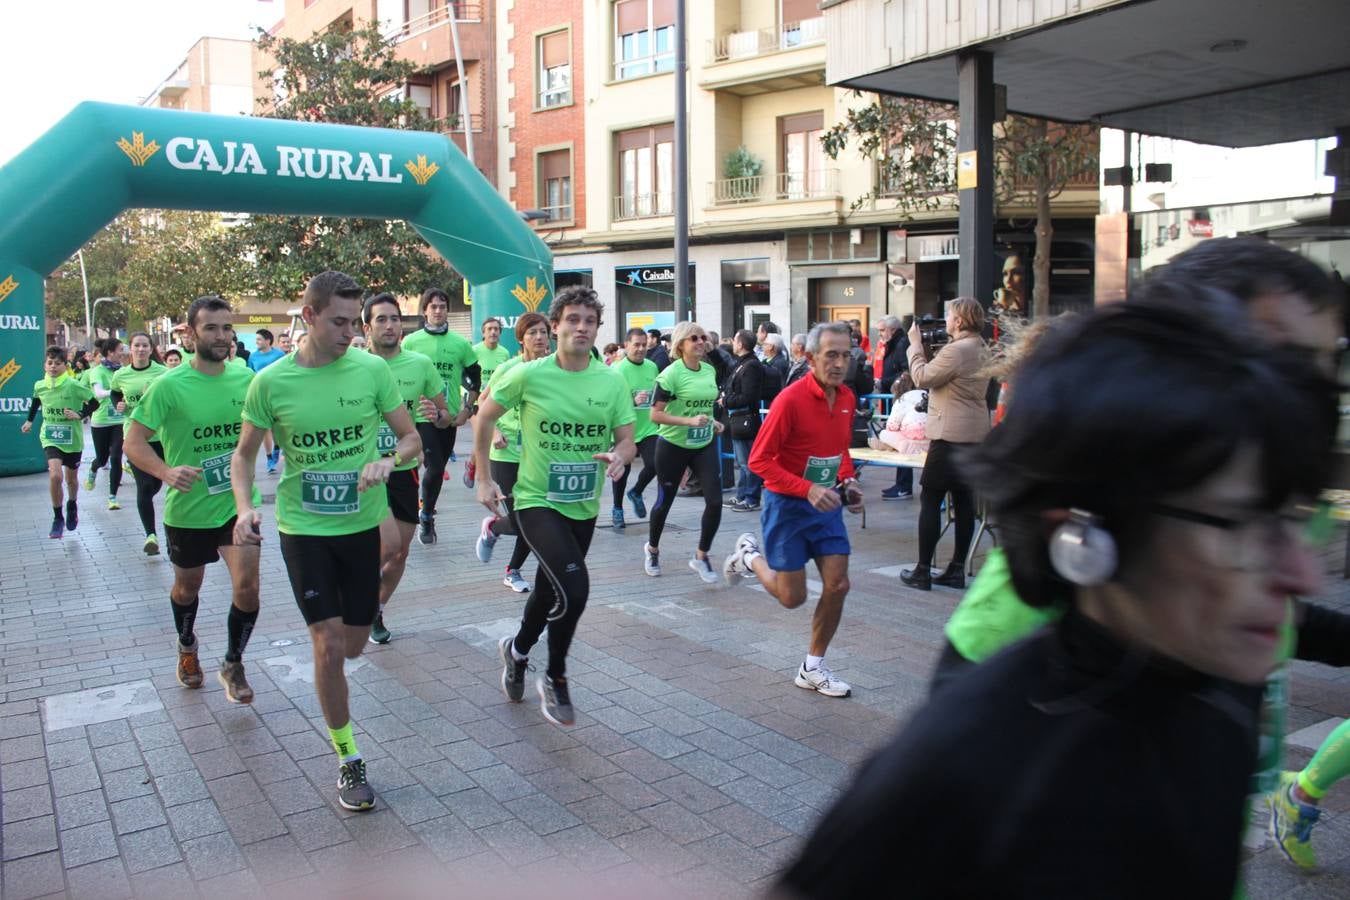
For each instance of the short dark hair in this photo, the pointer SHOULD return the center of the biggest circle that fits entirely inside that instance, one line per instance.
(655, 333)
(769, 327)
(322, 288)
(55, 352)
(431, 293)
(173, 351)
(493, 319)
(211, 302)
(575, 295)
(634, 332)
(266, 335)
(1247, 267)
(1073, 436)
(746, 337)
(526, 322)
(154, 351)
(375, 300)
(107, 345)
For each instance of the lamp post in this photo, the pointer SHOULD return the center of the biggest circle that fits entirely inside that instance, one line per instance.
(88, 315)
(94, 313)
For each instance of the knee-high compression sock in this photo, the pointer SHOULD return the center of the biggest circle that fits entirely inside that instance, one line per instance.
(239, 626)
(1329, 765)
(184, 618)
(344, 743)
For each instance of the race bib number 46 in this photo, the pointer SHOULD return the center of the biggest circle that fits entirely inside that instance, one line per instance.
(57, 434)
(216, 473)
(573, 482)
(329, 493)
(822, 470)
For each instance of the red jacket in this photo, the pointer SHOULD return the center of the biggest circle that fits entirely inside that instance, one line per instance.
(801, 425)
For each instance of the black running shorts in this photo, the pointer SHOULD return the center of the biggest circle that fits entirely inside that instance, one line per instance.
(192, 548)
(334, 576)
(69, 460)
(402, 491)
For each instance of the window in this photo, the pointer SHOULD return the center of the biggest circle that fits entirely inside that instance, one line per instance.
(555, 184)
(554, 77)
(645, 166)
(802, 173)
(801, 22)
(454, 105)
(644, 37)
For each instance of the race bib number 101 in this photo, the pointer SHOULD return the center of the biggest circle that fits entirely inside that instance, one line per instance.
(573, 482)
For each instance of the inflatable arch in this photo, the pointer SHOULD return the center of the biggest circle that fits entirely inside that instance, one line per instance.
(102, 158)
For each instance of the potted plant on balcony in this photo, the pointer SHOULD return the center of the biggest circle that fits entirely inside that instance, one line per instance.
(741, 171)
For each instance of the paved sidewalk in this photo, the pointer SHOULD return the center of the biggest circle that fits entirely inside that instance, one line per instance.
(695, 767)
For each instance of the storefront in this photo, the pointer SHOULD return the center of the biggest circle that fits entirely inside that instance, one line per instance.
(645, 295)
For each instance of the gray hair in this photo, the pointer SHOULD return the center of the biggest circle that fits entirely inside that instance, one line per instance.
(890, 322)
(775, 341)
(839, 328)
(799, 340)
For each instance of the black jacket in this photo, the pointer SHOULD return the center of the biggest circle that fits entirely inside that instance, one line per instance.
(745, 384)
(660, 356)
(894, 361)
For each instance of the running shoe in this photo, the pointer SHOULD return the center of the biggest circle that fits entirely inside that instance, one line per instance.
(454, 457)
(58, 527)
(427, 533)
(89, 481)
(151, 545)
(732, 502)
(469, 469)
(232, 678)
(747, 506)
(189, 670)
(616, 519)
(894, 493)
(113, 504)
(651, 560)
(72, 515)
(737, 565)
(271, 466)
(513, 672)
(639, 505)
(554, 701)
(516, 582)
(486, 540)
(704, 569)
(822, 680)
(1291, 822)
(353, 791)
(378, 633)
(126, 468)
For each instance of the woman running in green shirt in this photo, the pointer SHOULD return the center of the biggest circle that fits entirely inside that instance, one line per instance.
(129, 385)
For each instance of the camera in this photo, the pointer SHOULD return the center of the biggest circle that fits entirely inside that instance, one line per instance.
(933, 332)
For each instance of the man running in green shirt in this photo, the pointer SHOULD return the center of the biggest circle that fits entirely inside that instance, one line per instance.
(64, 401)
(193, 412)
(575, 417)
(491, 354)
(105, 425)
(639, 373)
(458, 364)
(324, 406)
(423, 392)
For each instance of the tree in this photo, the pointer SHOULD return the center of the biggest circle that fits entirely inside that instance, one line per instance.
(349, 77)
(177, 256)
(914, 142)
(105, 258)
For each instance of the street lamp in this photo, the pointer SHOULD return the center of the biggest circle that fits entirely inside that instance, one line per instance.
(88, 316)
(94, 314)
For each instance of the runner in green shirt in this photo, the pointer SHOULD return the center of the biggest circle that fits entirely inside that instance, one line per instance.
(193, 412)
(105, 425)
(63, 402)
(423, 393)
(532, 334)
(458, 365)
(489, 350)
(639, 373)
(576, 416)
(129, 385)
(324, 406)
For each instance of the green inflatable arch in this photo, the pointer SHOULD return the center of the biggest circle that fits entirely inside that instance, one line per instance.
(101, 159)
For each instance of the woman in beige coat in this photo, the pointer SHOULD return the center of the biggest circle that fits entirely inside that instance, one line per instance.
(958, 416)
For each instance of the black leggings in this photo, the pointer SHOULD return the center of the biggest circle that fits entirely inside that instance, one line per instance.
(671, 461)
(504, 473)
(108, 452)
(437, 445)
(646, 449)
(562, 585)
(940, 478)
(147, 486)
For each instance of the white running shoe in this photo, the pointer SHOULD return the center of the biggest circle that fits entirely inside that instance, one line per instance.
(516, 582)
(704, 569)
(823, 681)
(486, 540)
(651, 560)
(737, 565)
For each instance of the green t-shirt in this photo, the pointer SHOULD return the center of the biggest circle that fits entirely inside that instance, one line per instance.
(688, 394)
(106, 414)
(64, 392)
(566, 417)
(641, 382)
(451, 353)
(991, 616)
(509, 423)
(196, 418)
(489, 360)
(326, 421)
(416, 378)
(133, 383)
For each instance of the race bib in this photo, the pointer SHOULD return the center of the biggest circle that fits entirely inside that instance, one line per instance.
(329, 493)
(822, 470)
(385, 440)
(57, 434)
(113, 412)
(216, 473)
(642, 399)
(573, 482)
(699, 434)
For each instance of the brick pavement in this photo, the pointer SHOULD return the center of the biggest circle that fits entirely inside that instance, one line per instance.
(695, 764)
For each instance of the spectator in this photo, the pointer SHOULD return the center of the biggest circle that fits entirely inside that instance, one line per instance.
(765, 329)
(284, 342)
(800, 365)
(742, 400)
(266, 354)
(860, 337)
(657, 351)
(775, 354)
(890, 359)
(612, 353)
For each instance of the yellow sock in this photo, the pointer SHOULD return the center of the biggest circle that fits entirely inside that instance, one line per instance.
(344, 743)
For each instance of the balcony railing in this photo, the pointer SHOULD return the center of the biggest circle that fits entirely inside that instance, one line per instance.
(464, 12)
(642, 206)
(731, 191)
(815, 184)
(745, 44)
(556, 213)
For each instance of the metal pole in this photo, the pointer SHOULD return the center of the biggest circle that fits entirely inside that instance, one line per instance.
(88, 313)
(95, 311)
(975, 218)
(463, 85)
(682, 305)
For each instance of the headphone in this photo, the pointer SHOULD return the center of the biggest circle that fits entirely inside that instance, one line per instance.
(1082, 552)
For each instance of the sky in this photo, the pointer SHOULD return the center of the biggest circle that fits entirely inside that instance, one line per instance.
(60, 53)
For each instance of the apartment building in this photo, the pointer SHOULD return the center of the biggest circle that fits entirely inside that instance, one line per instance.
(216, 76)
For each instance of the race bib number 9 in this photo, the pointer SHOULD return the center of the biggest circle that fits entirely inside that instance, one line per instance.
(216, 473)
(573, 482)
(822, 470)
(642, 399)
(329, 493)
(57, 434)
(699, 434)
(385, 440)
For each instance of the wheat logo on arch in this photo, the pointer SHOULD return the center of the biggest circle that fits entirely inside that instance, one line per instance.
(137, 149)
(531, 295)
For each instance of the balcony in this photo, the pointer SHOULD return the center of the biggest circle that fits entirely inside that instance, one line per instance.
(744, 44)
(464, 12)
(821, 184)
(642, 206)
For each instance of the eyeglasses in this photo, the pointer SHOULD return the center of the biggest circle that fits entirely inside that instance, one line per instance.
(1253, 538)
(698, 337)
